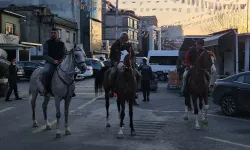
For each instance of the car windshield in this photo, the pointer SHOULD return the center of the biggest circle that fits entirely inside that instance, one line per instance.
(163, 60)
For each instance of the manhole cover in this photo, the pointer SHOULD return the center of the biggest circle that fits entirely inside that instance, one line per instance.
(145, 130)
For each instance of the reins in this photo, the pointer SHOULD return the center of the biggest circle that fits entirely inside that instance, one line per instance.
(59, 68)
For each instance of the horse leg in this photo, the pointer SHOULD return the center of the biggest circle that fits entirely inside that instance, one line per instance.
(205, 122)
(187, 103)
(107, 108)
(201, 106)
(197, 125)
(131, 117)
(45, 104)
(66, 114)
(118, 102)
(32, 98)
(120, 134)
(58, 116)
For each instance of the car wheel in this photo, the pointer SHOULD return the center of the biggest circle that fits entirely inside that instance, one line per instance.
(229, 106)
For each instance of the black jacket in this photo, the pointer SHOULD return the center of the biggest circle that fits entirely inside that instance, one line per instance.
(116, 48)
(54, 50)
(12, 73)
(146, 72)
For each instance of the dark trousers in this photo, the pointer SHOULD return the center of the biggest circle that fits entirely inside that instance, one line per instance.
(47, 74)
(13, 86)
(145, 85)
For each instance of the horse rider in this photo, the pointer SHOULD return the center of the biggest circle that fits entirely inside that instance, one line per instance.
(54, 51)
(147, 76)
(115, 57)
(192, 55)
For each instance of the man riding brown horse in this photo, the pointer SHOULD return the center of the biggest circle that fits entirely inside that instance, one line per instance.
(196, 79)
(190, 59)
(115, 57)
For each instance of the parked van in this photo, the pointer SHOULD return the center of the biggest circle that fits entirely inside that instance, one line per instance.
(162, 60)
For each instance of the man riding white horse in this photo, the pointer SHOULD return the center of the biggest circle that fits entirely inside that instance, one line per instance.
(115, 56)
(54, 51)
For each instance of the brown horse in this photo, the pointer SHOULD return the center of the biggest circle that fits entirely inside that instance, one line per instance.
(198, 85)
(126, 87)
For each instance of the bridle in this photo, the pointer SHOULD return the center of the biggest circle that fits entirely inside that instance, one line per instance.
(77, 63)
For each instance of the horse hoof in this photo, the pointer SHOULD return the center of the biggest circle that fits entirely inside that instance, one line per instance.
(67, 132)
(58, 135)
(48, 127)
(108, 125)
(205, 122)
(35, 125)
(185, 118)
(133, 133)
(197, 127)
(120, 136)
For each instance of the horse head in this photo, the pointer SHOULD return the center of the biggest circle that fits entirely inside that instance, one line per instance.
(79, 57)
(127, 62)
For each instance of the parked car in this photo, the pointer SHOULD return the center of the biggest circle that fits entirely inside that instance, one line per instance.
(87, 73)
(96, 64)
(232, 93)
(28, 68)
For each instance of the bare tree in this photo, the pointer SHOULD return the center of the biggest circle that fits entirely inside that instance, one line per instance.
(223, 21)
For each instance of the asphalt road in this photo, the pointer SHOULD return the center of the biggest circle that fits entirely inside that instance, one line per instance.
(158, 124)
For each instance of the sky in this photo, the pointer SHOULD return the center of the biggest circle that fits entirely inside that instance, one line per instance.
(169, 17)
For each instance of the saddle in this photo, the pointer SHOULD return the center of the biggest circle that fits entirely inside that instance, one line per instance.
(64, 77)
(188, 79)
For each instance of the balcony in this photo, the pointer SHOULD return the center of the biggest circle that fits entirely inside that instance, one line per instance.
(8, 39)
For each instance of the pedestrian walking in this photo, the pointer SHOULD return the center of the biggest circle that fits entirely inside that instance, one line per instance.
(147, 75)
(12, 79)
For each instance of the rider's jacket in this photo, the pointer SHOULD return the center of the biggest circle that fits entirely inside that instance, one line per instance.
(192, 56)
(116, 48)
(54, 50)
(146, 72)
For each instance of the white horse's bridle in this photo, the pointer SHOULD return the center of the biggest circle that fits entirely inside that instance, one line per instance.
(213, 68)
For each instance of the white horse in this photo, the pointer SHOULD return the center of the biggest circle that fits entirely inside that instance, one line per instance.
(62, 85)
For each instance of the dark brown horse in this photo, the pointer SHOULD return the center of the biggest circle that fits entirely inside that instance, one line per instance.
(126, 87)
(198, 85)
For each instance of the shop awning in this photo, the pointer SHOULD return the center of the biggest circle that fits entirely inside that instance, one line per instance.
(214, 40)
(10, 46)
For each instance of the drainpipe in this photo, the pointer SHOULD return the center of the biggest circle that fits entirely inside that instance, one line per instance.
(236, 53)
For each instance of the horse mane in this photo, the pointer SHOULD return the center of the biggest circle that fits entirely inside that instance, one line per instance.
(127, 62)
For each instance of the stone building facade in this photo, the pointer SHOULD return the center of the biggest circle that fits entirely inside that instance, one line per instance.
(127, 22)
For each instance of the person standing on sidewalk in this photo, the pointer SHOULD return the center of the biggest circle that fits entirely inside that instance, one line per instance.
(12, 81)
(147, 75)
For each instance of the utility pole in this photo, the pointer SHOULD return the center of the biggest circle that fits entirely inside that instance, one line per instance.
(116, 20)
(247, 14)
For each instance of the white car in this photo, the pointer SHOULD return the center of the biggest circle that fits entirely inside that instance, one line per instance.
(87, 73)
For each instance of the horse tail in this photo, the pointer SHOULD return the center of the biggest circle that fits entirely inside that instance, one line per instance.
(99, 80)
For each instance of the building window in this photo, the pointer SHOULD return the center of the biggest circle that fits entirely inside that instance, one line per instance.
(67, 36)
(135, 36)
(59, 33)
(130, 22)
(9, 28)
(74, 37)
(130, 34)
(135, 24)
